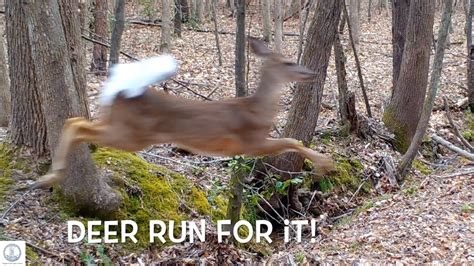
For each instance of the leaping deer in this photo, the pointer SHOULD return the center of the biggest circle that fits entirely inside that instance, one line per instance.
(135, 117)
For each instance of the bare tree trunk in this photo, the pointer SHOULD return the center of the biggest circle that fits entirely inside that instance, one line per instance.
(346, 109)
(200, 11)
(62, 90)
(28, 125)
(304, 111)
(117, 31)
(443, 33)
(278, 25)
(304, 15)
(237, 190)
(470, 48)
(178, 17)
(241, 90)
(216, 30)
(166, 26)
(403, 113)
(354, 21)
(400, 9)
(357, 61)
(99, 52)
(5, 97)
(267, 28)
(369, 11)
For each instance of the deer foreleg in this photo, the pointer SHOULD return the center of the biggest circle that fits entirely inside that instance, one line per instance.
(279, 146)
(75, 131)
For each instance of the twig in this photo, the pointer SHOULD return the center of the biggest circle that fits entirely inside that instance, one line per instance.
(108, 46)
(453, 126)
(15, 203)
(452, 147)
(191, 90)
(467, 172)
(357, 191)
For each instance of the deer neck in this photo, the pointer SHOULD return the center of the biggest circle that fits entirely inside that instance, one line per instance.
(268, 91)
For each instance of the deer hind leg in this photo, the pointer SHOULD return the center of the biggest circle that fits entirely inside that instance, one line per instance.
(75, 131)
(279, 146)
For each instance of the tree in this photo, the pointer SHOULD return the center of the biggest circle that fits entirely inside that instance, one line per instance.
(99, 52)
(57, 92)
(166, 26)
(435, 77)
(200, 11)
(119, 24)
(304, 110)
(28, 125)
(400, 11)
(5, 100)
(354, 20)
(216, 33)
(278, 25)
(267, 28)
(240, 88)
(403, 112)
(470, 49)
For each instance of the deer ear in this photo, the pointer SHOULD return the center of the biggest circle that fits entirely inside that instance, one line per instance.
(259, 47)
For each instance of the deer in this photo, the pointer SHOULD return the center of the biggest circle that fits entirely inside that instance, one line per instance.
(136, 116)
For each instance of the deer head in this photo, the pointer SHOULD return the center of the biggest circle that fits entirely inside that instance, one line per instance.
(279, 67)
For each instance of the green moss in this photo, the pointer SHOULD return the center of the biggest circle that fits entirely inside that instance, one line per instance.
(418, 165)
(6, 167)
(31, 255)
(150, 192)
(346, 177)
(401, 139)
(467, 208)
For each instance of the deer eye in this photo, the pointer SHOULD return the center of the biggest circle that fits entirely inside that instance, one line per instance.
(288, 64)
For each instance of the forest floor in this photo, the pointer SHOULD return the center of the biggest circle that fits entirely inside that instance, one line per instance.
(430, 218)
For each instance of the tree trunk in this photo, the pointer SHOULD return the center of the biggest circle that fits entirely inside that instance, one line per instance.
(400, 9)
(278, 25)
(470, 47)
(267, 28)
(240, 50)
(435, 77)
(200, 11)
(216, 30)
(345, 107)
(61, 88)
(28, 126)
(178, 18)
(5, 98)
(369, 11)
(165, 46)
(304, 111)
(354, 21)
(99, 52)
(119, 24)
(403, 113)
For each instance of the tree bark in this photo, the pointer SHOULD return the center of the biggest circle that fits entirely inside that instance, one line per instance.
(400, 9)
(278, 25)
(354, 21)
(435, 77)
(117, 31)
(200, 11)
(240, 88)
(267, 28)
(165, 46)
(343, 91)
(99, 53)
(216, 33)
(53, 33)
(304, 111)
(5, 97)
(403, 112)
(470, 48)
(28, 126)
(178, 18)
